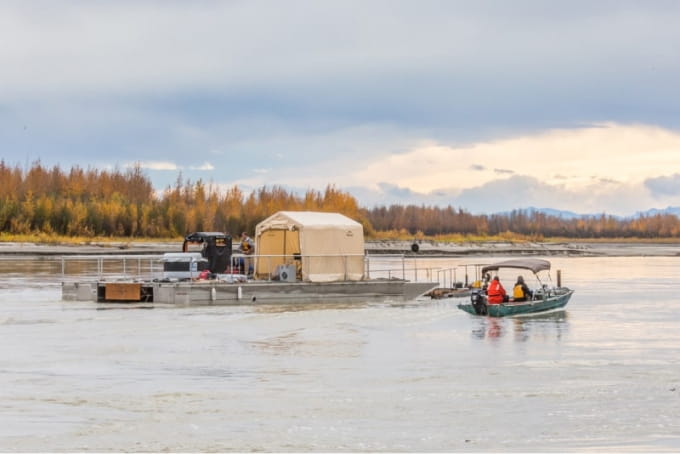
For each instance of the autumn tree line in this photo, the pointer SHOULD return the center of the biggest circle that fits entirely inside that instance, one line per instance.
(436, 221)
(123, 203)
(95, 203)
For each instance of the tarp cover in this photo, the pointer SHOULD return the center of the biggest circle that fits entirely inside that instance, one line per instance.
(325, 247)
(534, 265)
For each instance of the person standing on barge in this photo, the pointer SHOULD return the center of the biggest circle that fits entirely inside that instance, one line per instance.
(247, 248)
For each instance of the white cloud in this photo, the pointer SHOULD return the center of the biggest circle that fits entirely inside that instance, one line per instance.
(170, 166)
(157, 165)
(205, 166)
(525, 191)
(518, 192)
(664, 185)
(567, 157)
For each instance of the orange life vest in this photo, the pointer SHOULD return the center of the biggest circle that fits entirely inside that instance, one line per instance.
(495, 293)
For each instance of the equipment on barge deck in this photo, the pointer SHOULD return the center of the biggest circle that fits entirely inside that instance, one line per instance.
(217, 248)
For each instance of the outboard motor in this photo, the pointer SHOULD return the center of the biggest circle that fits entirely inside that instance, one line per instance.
(478, 302)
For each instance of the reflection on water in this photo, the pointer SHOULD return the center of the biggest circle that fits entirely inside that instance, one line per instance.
(550, 326)
(601, 374)
(296, 307)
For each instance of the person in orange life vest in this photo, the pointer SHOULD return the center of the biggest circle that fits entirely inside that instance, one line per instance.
(496, 293)
(521, 291)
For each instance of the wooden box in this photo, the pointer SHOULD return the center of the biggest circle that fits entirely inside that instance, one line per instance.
(123, 291)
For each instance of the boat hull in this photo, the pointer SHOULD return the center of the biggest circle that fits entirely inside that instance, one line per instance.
(215, 292)
(555, 301)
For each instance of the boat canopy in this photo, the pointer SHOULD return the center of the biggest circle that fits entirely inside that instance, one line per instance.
(535, 265)
(325, 247)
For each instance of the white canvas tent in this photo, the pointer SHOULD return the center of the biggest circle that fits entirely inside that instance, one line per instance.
(323, 247)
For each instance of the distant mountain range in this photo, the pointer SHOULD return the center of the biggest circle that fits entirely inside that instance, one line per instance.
(654, 212)
(564, 214)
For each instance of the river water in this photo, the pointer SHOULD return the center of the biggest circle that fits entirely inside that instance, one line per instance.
(603, 375)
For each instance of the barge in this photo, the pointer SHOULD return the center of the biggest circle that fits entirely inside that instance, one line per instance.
(301, 257)
(250, 292)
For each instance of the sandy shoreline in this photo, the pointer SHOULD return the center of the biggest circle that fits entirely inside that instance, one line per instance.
(425, 247)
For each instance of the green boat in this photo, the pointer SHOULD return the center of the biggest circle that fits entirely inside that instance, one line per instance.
(543, 298)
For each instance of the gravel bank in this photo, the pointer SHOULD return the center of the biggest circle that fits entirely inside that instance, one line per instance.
(432, 248)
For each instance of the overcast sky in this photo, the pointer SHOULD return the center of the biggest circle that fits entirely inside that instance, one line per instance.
(487, 106)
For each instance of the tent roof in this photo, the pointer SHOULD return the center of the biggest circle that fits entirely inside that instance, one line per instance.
(534, 265)
(309, 219)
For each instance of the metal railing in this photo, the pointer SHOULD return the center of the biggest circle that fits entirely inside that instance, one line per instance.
(111, 266)
(385, 266)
